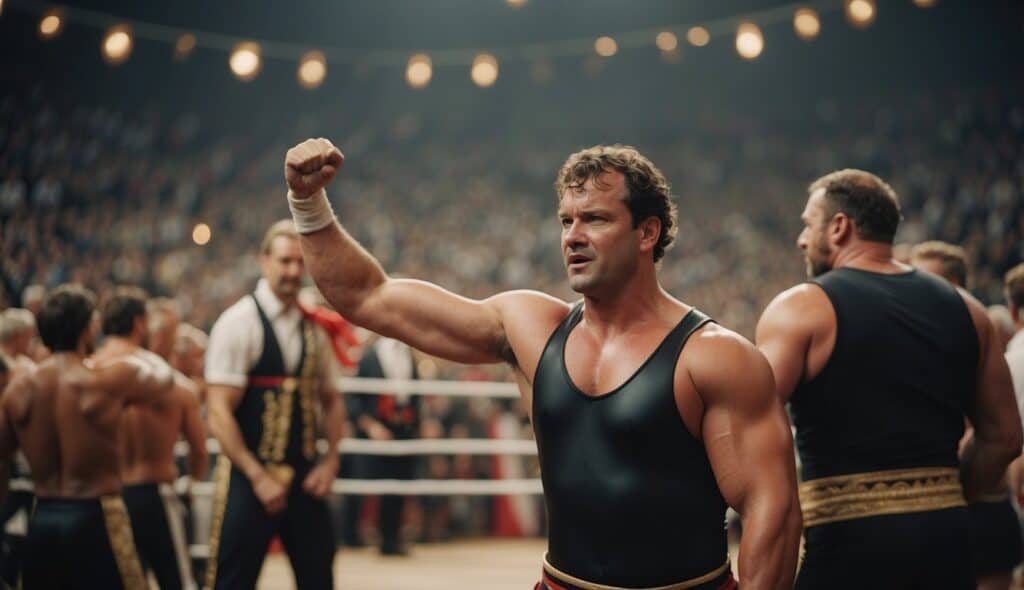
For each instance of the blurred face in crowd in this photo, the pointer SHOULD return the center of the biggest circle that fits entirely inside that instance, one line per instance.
(163, 330)
(932, 265)
(813, 239)
(600, 246)
(283, 267)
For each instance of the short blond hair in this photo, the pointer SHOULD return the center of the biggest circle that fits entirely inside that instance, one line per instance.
(284, 227)
(952, 259)
(1014, 282)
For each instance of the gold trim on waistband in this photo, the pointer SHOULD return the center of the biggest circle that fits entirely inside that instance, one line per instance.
(585, 585)
(859, 495)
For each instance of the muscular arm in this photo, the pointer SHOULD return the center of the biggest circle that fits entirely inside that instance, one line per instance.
(192, 429)
(993, 412)
(786, 332)
(747, 436)
(221, 401)
(421, 314)
(8, 444)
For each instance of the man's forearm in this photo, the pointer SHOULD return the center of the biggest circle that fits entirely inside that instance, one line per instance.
(334, 423)
(982, 466)
(343, 270)
(225, 429)
(770, 545)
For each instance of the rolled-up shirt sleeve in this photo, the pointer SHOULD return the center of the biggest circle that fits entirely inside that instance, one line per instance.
(229, 354)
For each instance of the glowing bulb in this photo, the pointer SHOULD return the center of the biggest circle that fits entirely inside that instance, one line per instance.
(666, 41)
(245, 60)
(485, 70)
(312, 70)
(861, 13)
(117, 45)
(606, 46)
(806, 24)
(749, 41)
(51, 24)
(516, 3)
(924, 3)
(698, 36)
(201, 234)
(419, 71)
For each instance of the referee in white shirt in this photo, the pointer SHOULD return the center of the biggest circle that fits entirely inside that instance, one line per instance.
(267, 368)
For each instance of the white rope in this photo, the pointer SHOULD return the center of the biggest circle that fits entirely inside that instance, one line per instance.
(418, 487)
(420, 446)
(487, 389)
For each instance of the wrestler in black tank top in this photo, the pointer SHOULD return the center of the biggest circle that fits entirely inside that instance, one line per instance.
(894, 392)
(631, 498)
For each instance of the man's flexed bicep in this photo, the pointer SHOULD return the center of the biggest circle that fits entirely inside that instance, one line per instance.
(747, 437)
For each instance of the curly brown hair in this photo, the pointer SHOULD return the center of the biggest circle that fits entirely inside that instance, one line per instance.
(648, 193)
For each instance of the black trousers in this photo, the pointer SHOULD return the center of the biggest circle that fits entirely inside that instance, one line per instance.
(242, 531)
(18, 504)
(379, 467)
(995, 537)
(914, 551)
(81, 543)
(158, 525)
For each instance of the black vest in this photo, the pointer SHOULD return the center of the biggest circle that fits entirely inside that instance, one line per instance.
(894, 392)
(278, 421)
(631, 498)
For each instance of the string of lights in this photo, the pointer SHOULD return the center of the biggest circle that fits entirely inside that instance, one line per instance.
(246, 55)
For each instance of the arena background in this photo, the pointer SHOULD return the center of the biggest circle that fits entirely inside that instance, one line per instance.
(109, 173)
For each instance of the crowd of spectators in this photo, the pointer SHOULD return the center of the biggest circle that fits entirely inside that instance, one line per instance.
(100, 197)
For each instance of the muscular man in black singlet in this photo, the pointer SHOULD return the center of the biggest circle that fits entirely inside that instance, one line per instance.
(881, 363)
(642, 442)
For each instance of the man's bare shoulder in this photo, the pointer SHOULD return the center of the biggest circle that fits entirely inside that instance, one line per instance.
(531, 306)
(528, 318)
(804, 306)
(718, 360)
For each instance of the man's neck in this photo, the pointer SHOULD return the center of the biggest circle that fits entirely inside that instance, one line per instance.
(870, 256)
(639, 302)
(125, 343)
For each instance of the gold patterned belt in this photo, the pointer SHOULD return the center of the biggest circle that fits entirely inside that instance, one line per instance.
(859, 495)
(559, 575)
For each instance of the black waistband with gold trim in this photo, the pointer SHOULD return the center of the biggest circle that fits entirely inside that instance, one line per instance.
(859, 495)
(564, 580)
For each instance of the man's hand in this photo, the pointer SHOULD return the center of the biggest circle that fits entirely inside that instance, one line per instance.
(318, 482)
(270, 493)
(310, 166)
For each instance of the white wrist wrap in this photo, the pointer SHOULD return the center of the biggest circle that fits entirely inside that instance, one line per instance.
(311, 214)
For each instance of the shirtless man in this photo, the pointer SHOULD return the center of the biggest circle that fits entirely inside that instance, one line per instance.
(148, 435)
(66, 416)
(642, 442)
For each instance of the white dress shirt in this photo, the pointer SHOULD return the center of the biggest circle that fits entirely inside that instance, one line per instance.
(236, 340)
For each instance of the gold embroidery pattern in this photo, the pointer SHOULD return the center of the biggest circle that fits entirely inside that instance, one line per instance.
(269, 421)
(285, 405)
(859, 495)
(119, 531)
(220, 503)
(310, 368)
(585, 585)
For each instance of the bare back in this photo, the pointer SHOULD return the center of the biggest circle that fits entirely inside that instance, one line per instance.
(148, 434)
(67, 425)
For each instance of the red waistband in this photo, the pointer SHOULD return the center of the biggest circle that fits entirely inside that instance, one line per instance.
(268, 380)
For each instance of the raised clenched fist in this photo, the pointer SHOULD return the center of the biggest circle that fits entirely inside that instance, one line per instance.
(310, 166)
